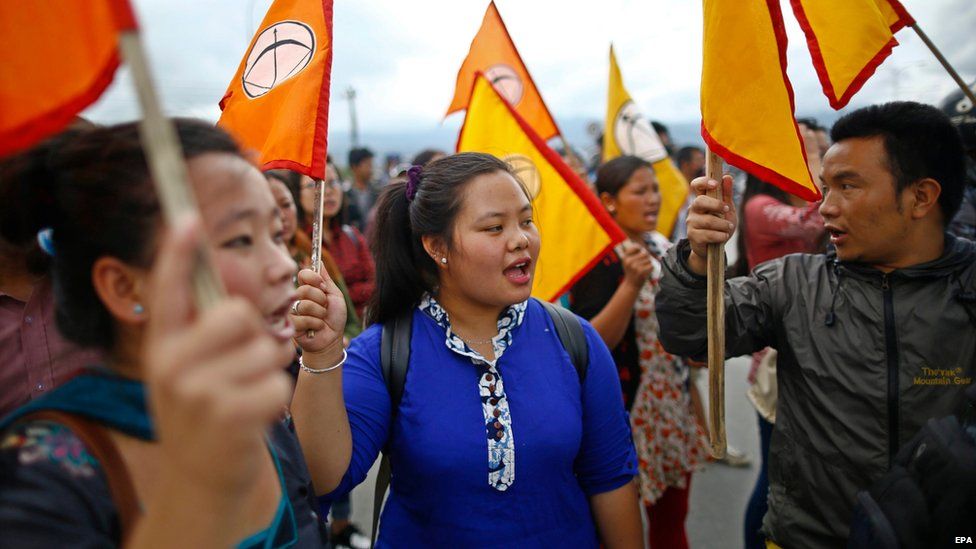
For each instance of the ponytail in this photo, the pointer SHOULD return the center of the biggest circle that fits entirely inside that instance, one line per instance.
(404, 270)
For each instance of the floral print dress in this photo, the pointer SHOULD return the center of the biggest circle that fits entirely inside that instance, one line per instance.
(670, 444)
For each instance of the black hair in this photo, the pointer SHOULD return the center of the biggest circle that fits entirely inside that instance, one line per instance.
(293, 182)
(18, 234)
(93, 189)
(920, 142)
(359, 154)
(659, 127)
(425, 156)
(404, 271)
(811, 123)
(614, 174)
(754, 187)
(686, 153)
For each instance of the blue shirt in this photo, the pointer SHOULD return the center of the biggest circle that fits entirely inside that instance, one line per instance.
(571, 442)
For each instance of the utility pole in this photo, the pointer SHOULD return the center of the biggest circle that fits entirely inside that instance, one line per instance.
(354, 127)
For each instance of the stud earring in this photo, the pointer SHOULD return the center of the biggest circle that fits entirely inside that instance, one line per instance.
(138, 309)
(443, 261)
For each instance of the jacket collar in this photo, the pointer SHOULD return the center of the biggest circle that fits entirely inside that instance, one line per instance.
(959, 253)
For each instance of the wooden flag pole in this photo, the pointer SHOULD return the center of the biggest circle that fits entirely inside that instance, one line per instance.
(165, 158)
(716, 324)
(945, 63)
(317, 234)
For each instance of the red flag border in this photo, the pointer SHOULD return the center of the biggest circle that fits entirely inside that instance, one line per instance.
(744, 163)
(904, 19)
(577, 185)
(511, 42)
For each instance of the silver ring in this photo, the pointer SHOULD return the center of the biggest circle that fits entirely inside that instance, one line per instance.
(294, 308)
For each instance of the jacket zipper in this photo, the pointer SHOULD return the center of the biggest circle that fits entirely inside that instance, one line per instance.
(891, 352)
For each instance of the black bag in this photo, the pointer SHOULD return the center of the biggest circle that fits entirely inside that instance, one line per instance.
(395, 358)
(928, 498)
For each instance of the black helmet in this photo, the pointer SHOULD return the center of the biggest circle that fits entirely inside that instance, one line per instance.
(960, 110)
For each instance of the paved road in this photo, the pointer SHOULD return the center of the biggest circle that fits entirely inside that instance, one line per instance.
(718, 494)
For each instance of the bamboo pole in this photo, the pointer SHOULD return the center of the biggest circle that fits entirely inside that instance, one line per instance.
(317, 234)
(945, 63)
(716, 324)
(165, 158)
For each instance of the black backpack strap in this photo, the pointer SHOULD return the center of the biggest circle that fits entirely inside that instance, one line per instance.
(395, 359)
(570, 333)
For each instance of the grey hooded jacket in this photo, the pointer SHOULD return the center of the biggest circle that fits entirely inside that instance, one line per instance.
(865, 358)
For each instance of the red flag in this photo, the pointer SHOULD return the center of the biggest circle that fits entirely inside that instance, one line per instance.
(57, 58)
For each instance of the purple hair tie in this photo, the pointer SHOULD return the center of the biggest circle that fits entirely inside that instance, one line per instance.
(413, 181)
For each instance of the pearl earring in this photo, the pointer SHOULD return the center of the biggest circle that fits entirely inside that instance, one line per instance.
(138, 309)
(444, 261)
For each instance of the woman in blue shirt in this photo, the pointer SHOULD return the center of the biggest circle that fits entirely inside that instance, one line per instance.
(496, 442)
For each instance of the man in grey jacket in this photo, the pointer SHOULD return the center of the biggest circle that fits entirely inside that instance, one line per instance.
(873, 340)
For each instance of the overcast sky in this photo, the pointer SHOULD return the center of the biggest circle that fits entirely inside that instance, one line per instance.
(402, 56)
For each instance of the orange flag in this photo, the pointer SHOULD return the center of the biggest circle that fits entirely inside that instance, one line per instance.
(746, 98)
(576, 230)
(493, 53)
(278, 102)
(848, 39)
(57, 58)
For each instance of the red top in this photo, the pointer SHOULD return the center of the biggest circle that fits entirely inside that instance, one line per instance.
(775, 229)
(34, 358)
(351, 254)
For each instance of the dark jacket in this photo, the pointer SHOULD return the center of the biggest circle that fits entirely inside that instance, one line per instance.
(864, 360)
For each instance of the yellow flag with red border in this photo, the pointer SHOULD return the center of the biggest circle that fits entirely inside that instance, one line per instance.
(493, 53)
(576, 230)
(278, 101)
(746, 98)
(848, 40)
(628, 132)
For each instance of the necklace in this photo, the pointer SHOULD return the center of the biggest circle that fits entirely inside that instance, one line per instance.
(474, 341)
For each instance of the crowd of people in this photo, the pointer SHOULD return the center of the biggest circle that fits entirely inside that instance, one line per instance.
(133, 417)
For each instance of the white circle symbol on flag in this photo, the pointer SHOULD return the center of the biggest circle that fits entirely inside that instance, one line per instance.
(635, 136)
(507, 82)
(280, 52)
(527, 173)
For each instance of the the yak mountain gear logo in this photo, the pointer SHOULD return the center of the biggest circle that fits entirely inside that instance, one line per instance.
(507, 82)
(280, 52)
(526, 172)
(635, 136)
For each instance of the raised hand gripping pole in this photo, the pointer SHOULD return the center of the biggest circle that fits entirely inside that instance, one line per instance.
(716, 324)
(317, 234)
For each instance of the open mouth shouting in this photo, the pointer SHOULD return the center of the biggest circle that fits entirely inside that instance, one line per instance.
(278, 322)
(837, 236)
(518, 271)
